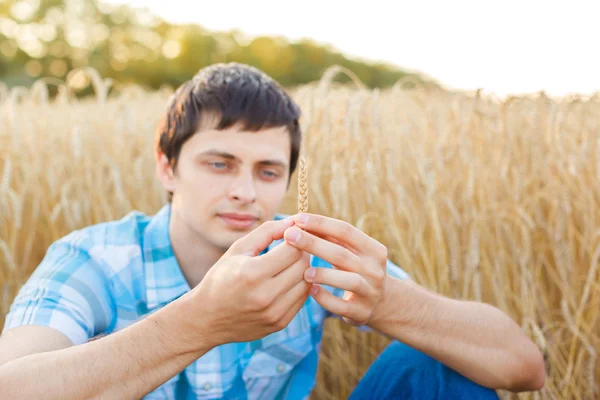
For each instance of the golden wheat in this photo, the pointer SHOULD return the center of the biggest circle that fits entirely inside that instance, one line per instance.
(476, 197)
(302, 185)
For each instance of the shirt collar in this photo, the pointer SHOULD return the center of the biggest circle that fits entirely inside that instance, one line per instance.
(164, 280)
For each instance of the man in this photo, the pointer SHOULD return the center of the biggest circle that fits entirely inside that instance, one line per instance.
(218, 296)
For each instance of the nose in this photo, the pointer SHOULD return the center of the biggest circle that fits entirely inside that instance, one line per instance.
(243, 189)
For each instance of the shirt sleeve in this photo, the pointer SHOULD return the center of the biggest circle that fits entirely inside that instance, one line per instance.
(68, 291)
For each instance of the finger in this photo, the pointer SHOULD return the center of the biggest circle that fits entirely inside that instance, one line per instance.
(292, 311)
(340, 307)
(340, 230)
(350, 281)
(289, 277)
(332, 240)
(276, 260)
(333, 253)
(257, 240)
(290, 300)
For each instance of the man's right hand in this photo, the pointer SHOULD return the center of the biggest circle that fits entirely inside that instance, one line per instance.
(245, 297)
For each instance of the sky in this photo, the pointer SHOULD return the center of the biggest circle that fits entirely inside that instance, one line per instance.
(503, 47)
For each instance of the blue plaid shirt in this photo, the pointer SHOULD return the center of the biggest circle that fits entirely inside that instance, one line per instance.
(102, 278)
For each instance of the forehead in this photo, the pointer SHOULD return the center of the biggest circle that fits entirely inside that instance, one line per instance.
(268, 143)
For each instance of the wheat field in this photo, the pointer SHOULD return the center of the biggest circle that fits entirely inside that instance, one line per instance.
(476, 197)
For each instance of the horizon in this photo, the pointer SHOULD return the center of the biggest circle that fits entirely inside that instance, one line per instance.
(465, 50)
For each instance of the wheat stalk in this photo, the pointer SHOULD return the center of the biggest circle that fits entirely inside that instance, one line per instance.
(302, 185)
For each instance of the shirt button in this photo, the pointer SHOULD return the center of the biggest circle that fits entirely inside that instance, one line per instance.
(207, 386)
(280, 368)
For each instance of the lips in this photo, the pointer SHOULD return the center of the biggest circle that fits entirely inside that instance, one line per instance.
(238, 221)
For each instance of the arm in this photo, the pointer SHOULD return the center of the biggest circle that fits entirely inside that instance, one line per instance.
(125, 365)
(475, 339)
(30, 339)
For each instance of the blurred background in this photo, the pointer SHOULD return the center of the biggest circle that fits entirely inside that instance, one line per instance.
(508, 47)
(463, 135)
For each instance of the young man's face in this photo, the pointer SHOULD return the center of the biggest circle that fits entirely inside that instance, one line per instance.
(229, 182)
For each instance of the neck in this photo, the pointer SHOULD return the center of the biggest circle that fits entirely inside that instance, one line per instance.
(193, 253)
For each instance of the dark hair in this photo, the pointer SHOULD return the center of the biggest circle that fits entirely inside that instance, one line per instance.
(233, 93)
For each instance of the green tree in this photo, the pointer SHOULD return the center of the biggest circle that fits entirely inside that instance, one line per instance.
(51, 37)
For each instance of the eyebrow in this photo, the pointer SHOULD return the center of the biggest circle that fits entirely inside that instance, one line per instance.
(229, 156)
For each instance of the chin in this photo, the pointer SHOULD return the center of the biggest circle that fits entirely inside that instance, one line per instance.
(224, 242)
(224, 235)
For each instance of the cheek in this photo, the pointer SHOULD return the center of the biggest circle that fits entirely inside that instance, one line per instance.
(200, 188)
(197, 180)
(272, 194)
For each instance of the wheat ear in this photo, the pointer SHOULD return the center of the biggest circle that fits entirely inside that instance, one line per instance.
(302, 186)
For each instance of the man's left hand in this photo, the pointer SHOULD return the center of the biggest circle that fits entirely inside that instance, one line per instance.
(358, 260)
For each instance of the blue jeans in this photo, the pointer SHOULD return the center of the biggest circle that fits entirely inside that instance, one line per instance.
(401, 372)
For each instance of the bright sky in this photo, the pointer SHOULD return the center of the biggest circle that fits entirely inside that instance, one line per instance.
(503, 47)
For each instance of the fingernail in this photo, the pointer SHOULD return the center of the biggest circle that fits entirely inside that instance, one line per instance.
(314, 289)
(310, 274)
(294, 235)
(289, 219)
(302, 219)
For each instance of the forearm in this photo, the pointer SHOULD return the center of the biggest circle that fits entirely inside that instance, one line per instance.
(127, 364)
(475, 339)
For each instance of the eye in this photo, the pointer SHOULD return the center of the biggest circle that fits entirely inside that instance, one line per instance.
(270, 174)
(219, 165)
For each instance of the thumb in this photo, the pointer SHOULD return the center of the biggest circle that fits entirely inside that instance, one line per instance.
(257, 240)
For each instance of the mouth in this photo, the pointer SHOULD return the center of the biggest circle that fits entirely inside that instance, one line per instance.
(238, 221)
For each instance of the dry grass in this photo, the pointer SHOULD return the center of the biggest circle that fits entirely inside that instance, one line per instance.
(476, 198)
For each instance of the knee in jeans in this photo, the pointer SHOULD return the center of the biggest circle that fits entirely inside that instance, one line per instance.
(408, 370)
(400, 353)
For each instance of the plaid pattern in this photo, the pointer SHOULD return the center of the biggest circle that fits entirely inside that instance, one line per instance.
(105, 277)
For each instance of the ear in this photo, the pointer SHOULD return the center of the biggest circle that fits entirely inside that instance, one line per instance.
(165, 172)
